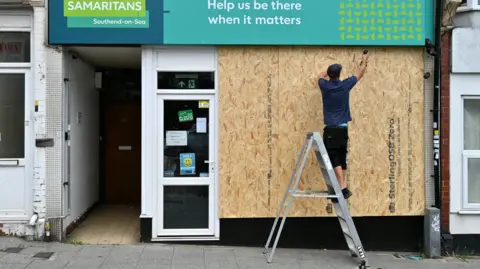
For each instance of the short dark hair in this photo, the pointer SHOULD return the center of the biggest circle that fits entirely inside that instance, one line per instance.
(334, 70)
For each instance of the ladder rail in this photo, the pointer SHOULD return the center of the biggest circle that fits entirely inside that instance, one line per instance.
(285, 214)
(285, 195)
(341, 204)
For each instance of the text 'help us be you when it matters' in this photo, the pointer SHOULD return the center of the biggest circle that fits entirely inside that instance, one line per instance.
(266, 12)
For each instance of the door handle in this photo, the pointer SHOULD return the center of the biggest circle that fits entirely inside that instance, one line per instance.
(10, 163)
(209, 161)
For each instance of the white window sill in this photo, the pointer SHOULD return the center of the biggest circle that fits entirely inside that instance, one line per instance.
(467, 9)
(468, 212)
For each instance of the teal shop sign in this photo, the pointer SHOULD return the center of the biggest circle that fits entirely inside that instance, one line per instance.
(298, 22)
(241, 22)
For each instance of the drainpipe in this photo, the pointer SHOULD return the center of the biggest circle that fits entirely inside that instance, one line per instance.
(437, 104)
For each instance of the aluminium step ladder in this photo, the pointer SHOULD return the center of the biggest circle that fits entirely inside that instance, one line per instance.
(349, 230)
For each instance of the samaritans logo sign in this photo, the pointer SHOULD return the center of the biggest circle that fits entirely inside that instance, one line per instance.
(242, 22)
(106, 13)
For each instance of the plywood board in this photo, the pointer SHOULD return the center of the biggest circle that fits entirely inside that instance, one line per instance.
(248, 123)
(269, 99)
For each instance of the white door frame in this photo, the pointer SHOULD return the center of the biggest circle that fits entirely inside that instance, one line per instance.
(171, 59)
(466, 155)
(188, 181)
(27, 160)
(67, 107)
(463, 87)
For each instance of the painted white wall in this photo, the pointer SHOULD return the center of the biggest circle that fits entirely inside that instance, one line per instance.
(465, 50)
(468, 16)
(40, 93)
(84, 141)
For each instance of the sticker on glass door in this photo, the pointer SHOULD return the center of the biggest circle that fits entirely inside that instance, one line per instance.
(187, 164)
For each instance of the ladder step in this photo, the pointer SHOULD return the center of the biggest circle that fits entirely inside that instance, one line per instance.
(313, 194)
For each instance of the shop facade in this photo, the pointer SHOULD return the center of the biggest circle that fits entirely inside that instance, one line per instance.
(227, 95)
(460, 129)
(22, 114)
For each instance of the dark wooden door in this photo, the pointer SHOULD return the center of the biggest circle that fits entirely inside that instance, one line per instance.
(123, 153)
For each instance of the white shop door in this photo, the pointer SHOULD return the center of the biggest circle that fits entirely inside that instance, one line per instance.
(187, 168)
(15, 144)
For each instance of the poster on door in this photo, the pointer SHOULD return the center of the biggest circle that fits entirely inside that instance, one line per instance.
(187, 163)
(185, 115)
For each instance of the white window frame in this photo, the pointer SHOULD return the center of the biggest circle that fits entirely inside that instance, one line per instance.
(467, 154)
(4, 15)
(23, 23)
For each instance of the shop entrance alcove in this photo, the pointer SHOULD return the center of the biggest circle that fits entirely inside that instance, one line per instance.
(143, 135)
(102, 106)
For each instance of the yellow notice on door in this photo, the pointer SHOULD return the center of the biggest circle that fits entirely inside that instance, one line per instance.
(203, 104)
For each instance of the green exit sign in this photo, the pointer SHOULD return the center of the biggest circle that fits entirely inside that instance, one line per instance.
(186, 83)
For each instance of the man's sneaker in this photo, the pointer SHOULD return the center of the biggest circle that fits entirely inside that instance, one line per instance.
(346, 193)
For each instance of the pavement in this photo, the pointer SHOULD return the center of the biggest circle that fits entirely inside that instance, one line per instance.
(16, 253)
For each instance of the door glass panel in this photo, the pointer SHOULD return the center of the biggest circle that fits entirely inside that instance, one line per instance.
(471, 124)
(186, 80)
(473, 180)
(12, 116)
(185, 207)
(186, 138)
(14, 47)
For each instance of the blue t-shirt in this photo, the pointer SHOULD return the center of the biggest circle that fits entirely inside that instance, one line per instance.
(336, 100)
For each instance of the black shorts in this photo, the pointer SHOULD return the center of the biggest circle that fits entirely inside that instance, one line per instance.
(335, 139)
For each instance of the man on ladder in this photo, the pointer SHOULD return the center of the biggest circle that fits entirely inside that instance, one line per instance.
(336, 114)
(330, 153)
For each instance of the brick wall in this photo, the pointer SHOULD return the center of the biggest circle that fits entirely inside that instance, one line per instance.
(445, 129)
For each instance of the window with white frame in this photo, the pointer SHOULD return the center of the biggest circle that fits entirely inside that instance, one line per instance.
(14, 49)
(470, 4)
(471, 152)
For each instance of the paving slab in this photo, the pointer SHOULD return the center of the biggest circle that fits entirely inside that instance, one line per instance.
(168, 256)
(57, 261)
